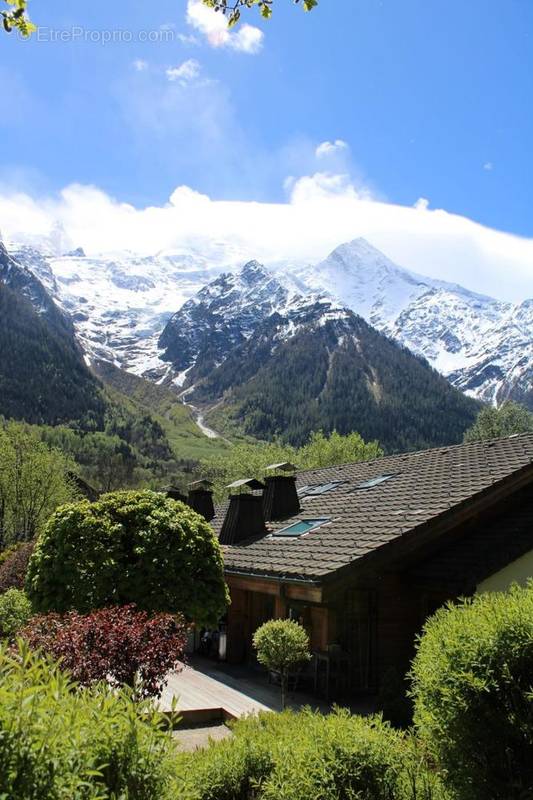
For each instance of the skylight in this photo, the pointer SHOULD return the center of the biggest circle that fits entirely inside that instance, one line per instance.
(301, 527)
(374, 482)
(318, 488)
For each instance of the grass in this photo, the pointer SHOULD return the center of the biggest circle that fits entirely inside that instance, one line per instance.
(185, 438)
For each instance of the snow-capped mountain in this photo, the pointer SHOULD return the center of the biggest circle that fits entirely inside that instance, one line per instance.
(121, 304)
(483, 346)
(227, 312)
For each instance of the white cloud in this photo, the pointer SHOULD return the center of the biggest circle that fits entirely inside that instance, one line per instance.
(328, 148)
(185, 72)
(214, 26)
(187, 38)
(488, 166)
(140, 65)
(322, 211)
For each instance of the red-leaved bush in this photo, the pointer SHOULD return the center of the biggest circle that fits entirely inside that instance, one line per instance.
(14, 566)
(118, 644)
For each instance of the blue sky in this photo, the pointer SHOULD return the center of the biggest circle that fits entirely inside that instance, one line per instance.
(427, 99)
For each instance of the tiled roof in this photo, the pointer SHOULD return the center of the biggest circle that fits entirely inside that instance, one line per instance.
(425, 485)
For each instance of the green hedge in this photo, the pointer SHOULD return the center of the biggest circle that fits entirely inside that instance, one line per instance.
(306, 756)
(58, 742)
(473, 690)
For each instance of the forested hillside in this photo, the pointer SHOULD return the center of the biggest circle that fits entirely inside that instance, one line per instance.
(43, 379)
(341, 375)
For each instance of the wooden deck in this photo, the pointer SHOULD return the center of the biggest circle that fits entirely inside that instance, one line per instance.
(206, 691)
(201, 697)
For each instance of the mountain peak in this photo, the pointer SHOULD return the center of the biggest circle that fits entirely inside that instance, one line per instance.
(253, 271)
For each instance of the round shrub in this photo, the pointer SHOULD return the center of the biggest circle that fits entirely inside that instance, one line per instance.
(128, 547)
(472, 687)
(14, 566)
(58, 741)
(281, 645)
(15, 611)
(299, 756)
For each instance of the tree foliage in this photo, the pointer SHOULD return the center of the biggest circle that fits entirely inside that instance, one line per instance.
(232, 8)
(15, 611)
(34, 481)
(492, 422)
(120, 645)
(16, 17)
(129, 547)
(249, 460)
(282, 645)
(473, 695)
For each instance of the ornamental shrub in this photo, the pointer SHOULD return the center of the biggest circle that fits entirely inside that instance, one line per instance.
(59, 742)
(14, 566)
(119, 645)
(281, 645)
(15, 611)
(299, 756)
(473, 693)
(129, 547)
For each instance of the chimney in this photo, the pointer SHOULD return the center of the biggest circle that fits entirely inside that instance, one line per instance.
(244, 517)
(201, 498)
(174, 493)
(280, 498)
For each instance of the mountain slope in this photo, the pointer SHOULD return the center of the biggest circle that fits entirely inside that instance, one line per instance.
(42, 375)
(297, 363)
(120, 305)
(483, 346)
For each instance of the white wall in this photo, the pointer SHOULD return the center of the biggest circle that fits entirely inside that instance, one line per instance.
(519, 571)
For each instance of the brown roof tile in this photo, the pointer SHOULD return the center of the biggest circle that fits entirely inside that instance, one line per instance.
(425, 485)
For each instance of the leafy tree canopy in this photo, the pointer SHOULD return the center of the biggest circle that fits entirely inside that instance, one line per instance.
(16, 16)
(34, 481)
(232, 8)
(249, 460)
(129, 547)
(493, 422)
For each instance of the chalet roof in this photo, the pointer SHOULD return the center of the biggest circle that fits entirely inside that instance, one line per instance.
(416, 492)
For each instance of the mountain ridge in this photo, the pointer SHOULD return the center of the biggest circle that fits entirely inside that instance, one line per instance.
(121, 304)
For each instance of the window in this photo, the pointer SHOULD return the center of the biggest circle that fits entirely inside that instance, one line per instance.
(318, 488)
(374, 482)
(301, 527)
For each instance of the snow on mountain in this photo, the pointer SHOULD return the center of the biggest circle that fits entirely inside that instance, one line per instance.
(229, 310)
(121, 303)
(484, 346)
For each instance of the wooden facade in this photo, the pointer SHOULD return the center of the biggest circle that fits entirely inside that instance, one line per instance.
(373, 612)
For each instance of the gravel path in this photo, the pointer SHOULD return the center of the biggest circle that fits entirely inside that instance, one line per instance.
(196, 738)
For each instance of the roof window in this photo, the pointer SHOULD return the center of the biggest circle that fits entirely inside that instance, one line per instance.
(318, 488)
(301, 527)
(374, 481)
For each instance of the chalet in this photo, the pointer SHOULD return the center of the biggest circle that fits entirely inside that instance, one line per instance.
(362, 553)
